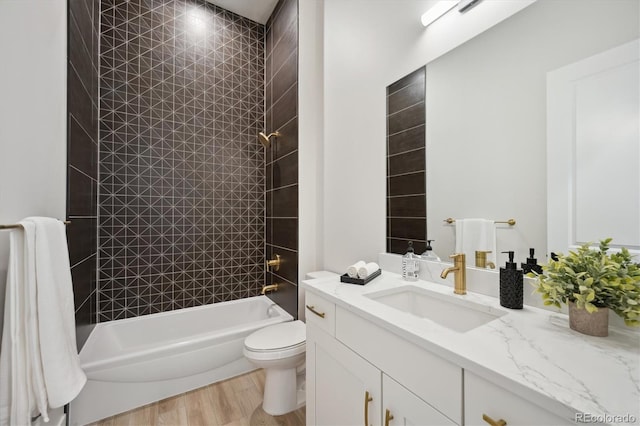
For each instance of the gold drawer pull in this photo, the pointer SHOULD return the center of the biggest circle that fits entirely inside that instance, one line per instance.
(367, 400)
(493, 422)
(312, 309)
(388, 417)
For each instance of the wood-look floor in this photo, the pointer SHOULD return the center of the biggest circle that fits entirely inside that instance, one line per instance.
(234, 402)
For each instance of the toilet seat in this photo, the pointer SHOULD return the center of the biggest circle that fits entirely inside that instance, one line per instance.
(276, 341)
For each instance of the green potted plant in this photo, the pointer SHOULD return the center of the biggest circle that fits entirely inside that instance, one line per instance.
(591, 282)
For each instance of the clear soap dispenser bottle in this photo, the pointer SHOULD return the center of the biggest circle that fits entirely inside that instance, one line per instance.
(429, 254)
(410, 264)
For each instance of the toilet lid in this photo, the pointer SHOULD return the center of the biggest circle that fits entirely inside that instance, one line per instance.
(277, 337)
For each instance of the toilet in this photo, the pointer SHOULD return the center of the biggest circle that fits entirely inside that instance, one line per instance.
(280, 350)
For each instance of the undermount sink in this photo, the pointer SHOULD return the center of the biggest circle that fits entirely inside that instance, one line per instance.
(452, 311)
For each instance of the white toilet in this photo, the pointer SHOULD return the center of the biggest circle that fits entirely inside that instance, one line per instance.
(280, 350)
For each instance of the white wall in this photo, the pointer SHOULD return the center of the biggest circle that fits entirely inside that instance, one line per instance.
(310, 128)
(368, 45)
(33, 86)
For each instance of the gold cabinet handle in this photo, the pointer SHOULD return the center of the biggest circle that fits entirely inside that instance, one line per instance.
(367, 400)
(312, 309)
(493, 422)
(387, 417)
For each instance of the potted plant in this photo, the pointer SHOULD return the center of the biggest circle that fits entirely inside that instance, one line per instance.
(591, 282)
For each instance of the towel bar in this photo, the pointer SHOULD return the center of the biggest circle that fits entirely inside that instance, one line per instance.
(17, 225)
(511, 222)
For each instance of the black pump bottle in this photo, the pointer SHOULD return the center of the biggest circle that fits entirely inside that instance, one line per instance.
(511, 284)
(532, 264)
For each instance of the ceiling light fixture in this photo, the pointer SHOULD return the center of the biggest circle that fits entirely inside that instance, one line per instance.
(465, 5)
(437, 10)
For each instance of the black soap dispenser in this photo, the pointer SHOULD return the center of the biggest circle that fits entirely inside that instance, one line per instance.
(511, 284)
(532, 264)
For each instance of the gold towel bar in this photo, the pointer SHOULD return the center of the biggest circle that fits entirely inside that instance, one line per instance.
(510, 221)
(17, 225)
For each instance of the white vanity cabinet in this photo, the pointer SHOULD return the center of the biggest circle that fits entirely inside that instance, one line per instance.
(361, 373)
(370, 377)
(344, 389)
(485, 402)
(524, 368)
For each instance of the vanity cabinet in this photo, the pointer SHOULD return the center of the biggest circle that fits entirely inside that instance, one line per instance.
(485, 402)
(358, 373)
(345, 388)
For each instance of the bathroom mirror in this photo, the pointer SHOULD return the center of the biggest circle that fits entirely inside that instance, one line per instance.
(486, 115)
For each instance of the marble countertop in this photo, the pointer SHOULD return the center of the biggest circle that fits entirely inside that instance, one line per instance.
(532, 351)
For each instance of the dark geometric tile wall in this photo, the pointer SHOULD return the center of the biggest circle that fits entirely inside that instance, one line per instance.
(406, 164)
(181, 206)
(82, 157)
(281, 93)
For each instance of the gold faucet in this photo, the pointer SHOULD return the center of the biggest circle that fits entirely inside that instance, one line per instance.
(460, 269)
(481, 260)
(274, 263)
(269, 288)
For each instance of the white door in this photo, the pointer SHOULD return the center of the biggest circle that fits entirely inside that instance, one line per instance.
(593, 150)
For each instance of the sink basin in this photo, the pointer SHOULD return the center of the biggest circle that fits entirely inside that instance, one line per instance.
(453, 312)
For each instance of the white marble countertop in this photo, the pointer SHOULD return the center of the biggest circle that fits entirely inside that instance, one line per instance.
(530, 351)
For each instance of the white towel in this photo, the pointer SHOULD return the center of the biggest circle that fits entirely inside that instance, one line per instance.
(352, 270)
(41, 320)
(368, 269)
(476, 234)
(16, 397)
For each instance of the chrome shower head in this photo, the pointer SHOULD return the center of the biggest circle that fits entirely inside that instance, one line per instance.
(265, 139)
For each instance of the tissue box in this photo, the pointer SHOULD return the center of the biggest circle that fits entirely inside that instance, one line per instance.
(360, 281)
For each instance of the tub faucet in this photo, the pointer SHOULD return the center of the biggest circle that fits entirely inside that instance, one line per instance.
(460, 269)
(269, 288)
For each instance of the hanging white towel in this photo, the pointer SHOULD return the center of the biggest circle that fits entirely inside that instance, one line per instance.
(41, 321)
(16, 397)
(475, 234)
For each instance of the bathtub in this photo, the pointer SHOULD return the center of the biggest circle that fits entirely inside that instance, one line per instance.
(136, 361)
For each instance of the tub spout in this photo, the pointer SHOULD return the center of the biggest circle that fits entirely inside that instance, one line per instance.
(269, 288)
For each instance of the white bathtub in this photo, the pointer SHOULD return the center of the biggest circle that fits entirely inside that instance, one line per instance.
(136, 361)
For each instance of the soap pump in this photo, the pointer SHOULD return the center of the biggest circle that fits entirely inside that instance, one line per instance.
(410, 264)
(429, 254)
(532, 264)
(511, 284)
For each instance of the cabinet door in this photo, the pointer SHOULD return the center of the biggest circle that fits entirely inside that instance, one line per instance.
(338, 382)
(402, 407)
(483, 398)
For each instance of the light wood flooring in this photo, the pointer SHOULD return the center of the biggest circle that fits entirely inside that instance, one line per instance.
(234, 402)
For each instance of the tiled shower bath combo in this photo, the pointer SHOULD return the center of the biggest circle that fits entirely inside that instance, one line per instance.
(181, 205)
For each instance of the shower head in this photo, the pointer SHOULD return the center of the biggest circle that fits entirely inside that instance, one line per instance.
(265, 139)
